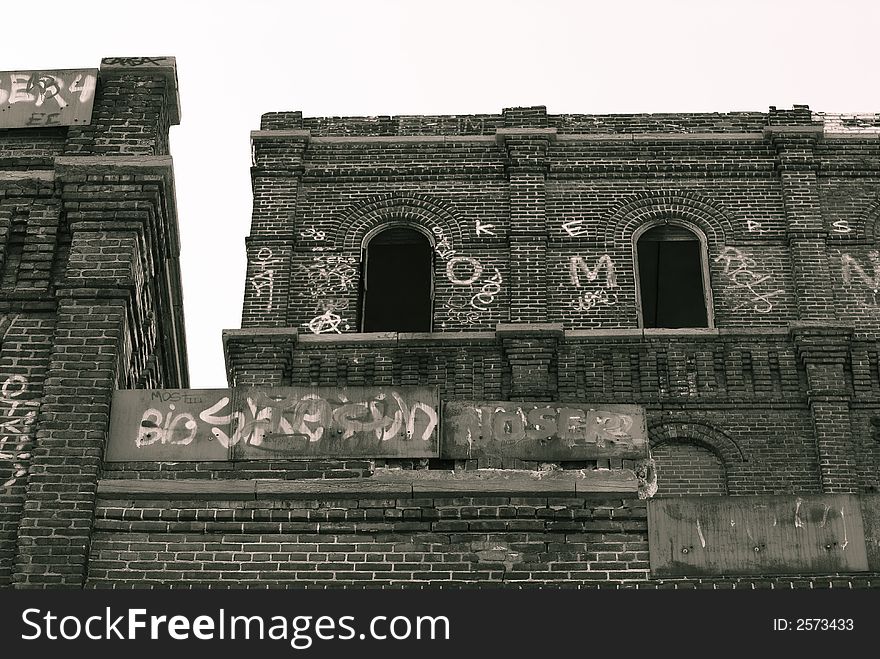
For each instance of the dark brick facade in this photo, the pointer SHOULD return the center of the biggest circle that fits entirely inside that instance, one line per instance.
(532, 215)
(777, 396)
(786, 373)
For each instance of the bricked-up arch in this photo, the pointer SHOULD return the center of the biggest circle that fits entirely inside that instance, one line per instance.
(701, 433)
(697, 458)
(647, 208)
(362, 218)
(872, 222)
(685, 468)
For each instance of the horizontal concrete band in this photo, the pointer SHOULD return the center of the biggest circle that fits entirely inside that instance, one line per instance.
(391, 485)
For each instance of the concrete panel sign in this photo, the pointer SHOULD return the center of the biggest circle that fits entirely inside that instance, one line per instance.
(273, 423)
(694, 536)
(543, 431)
(61, 97)
(159, 425)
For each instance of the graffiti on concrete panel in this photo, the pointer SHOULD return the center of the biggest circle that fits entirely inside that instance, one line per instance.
(330, 280)
(17, 418)
(166, 427)
(603, 292)
(542, 430)
(136, 61)
(386, 415)
(46, 98)
(748, 284)
(850, 266)
(263, 279)
(208, 424)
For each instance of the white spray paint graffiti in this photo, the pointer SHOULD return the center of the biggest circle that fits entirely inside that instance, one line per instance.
(443, 247)
(167, 428)
(472, 266)
(313, 234)
(575, 228)
(386, 415)
(17, 420)
(754, 226)
(484, 229)
(330, 279)
(466, 271)
(263, 280)
(486, 296)
(317, 236)
(849, 265)
(739, 270)
(588, 299)
(462, 313)
(842, 226)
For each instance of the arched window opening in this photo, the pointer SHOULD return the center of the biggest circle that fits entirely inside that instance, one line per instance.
(672, 283)
(396, 284)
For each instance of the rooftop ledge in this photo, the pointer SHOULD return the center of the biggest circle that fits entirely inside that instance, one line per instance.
(290, 335)
(387, 483)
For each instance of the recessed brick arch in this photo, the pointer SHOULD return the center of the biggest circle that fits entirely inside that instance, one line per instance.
(692, 458)
(697, 433)
(872, 222)
(437, 217)
(645, 208)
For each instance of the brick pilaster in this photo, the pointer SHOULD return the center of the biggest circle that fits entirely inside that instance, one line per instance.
(824, 352)
(797, 166)
(55, 529)
(136, 102)
(527, 153)
(531, 353)
(259, 357)
(276, 178)
(123, 241)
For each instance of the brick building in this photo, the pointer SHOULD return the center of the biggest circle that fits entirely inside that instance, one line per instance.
(91, 297)
(463, 336)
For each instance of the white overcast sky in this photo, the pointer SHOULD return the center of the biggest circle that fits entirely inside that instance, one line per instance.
(237, 60)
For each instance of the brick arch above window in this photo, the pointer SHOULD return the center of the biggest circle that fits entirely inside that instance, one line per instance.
(699, 433)
(399, 208)
(872, 222)
(651, 208)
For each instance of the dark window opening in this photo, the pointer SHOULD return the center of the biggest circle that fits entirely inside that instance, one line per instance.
(671, 278)
(397, 288)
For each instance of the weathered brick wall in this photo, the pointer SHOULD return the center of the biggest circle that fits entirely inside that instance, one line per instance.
(295, 537)
(451, 540)
(550, 206)
(87, 239)
(687, 469)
